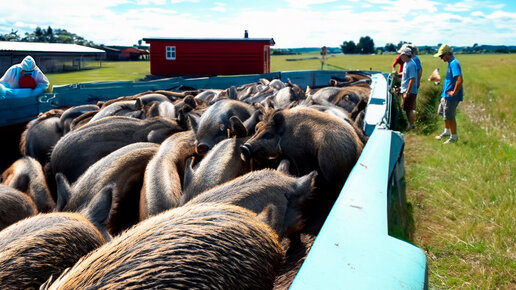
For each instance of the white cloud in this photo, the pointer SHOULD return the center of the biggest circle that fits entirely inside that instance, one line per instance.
(219, 7)
(179, 1)
(478, 14)
(147, 2)
(306, 3)
(459, 7)
(385, 21)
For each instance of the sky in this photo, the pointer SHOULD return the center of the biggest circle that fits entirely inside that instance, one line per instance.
(291, 23)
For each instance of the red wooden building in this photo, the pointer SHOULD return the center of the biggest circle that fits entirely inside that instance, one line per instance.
(209, 56)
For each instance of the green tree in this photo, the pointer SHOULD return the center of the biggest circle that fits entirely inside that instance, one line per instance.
(390, 47)
(49, 35)
(12, 36)
(365, 45)
(348, 47)
(39, 35)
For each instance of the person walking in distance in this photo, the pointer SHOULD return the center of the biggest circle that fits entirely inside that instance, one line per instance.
(451, 95)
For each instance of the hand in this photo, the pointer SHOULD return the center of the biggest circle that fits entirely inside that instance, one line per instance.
(451, 93)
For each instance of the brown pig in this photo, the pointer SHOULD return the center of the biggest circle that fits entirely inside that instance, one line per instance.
(282, 194)
(35, 248)
(310, 140)
(221, 164)
(79, 149)
(161, 188)
(26, 175)
(40, 135)
(124, 168)
(200, 246)
(214, 123)
(14, 206)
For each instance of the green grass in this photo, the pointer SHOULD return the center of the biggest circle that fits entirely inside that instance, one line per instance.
(110, 71)
(462, 196)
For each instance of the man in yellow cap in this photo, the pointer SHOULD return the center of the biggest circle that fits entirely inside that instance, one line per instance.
(451, 95)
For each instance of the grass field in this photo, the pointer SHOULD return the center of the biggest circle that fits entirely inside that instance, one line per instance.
(463, 195)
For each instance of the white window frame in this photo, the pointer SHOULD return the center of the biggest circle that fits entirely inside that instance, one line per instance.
(170, 52)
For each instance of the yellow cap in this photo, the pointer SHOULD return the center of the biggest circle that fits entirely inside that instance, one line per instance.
(443, 49)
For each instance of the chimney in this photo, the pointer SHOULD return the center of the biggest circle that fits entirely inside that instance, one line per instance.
(246, 34)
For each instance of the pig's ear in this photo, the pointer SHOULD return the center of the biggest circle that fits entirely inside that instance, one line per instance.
(305, 186)
(250, 123)
(138, 105)
(284, 166)
(21, 182)
(278, 120)
(237, 127)
(194, 122)
(190, 100)
(267, 216)
(64, 191)
(232, 93)
(189, 173)
(100, 206)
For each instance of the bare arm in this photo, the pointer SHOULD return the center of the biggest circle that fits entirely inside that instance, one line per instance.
(458, 86)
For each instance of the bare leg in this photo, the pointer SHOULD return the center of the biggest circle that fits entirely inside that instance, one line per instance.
(452, 125)
(411, 116)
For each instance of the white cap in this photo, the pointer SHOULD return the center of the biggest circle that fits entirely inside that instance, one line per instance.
(405, 50)
(28, 63)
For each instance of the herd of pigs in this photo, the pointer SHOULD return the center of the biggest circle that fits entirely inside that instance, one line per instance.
(210, 188)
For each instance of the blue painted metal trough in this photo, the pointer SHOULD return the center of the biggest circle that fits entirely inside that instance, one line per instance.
(356, 248)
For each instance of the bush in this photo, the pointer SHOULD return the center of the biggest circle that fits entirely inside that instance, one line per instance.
(428, 99)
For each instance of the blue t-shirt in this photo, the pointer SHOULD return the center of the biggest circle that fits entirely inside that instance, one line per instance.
(418, 63)
(409, 72)
(452, 72)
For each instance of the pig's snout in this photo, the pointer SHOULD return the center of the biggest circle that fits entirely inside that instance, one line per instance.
(246, 151)
(202, 149)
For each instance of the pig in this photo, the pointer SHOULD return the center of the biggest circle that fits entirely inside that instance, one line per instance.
(79, 149)
(310, 140)
(214, 124)
(14, 206)
(37, 247)
(129, 108)
(26, 175)
(221, 164)
(40, 135)
(124, 169)
(283, 194)
(161, 188)
(70, 114)
(200, 246)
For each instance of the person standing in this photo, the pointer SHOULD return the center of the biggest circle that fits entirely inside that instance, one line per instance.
(408, 85)
(451, 95)
(25, 75)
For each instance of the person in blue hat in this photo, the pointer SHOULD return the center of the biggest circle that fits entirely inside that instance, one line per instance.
(25, 75)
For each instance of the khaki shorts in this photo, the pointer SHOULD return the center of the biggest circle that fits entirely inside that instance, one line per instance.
(409, 102)
(447, 109)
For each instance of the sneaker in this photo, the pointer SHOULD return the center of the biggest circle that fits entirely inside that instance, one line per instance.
(410, 127)
(442, 136)
(452, 139)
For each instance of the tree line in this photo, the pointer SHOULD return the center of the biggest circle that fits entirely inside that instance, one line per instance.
(48, 35)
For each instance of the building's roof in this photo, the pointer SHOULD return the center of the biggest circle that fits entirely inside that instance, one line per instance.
(12, 46)
(269, 40)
